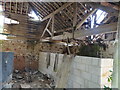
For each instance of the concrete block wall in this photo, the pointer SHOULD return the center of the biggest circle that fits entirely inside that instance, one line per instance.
(85, 72)
(43, 63)
(89, 72)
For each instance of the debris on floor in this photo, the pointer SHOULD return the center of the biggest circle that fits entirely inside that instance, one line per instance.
(33, 79)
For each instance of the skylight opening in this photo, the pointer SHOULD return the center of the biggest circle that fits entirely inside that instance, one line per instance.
(92, 22)
(90, 9)
(1, 19)
(1, 9)
(10, 21)
(2, 37)
(100, 16)
(34, 16)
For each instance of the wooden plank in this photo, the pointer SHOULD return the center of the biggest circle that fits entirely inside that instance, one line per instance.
(56, 11)
(84, 6)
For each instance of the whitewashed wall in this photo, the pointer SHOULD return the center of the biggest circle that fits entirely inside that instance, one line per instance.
(85, 72)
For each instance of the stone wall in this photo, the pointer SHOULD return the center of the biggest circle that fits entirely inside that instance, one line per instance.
(84, 72)
(21, 52)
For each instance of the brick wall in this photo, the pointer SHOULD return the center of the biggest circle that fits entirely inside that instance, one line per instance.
(85, 72)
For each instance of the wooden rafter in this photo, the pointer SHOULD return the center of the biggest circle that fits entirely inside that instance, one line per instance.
(56, 11)
(80, 23)
(64, 19)
(75, 15)
(84, 18)
(84, 6)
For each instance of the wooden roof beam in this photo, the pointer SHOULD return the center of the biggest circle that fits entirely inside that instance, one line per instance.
(80, 23)
(56, 11)
(81, 33)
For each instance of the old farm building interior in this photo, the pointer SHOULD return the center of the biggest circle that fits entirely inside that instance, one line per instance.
(59, 44)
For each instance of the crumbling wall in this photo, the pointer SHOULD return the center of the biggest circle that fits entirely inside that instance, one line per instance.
(19, 47)
(21, 52)
(49, 47)
(109, 53)
(83, 72)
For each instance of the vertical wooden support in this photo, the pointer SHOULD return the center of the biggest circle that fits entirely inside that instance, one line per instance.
(27, 8)
(74, 19)
(53, 21)
(10, 6)
(16, 7)
(21, 7)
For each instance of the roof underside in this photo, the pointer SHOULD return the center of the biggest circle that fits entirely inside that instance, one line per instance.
(56, 17)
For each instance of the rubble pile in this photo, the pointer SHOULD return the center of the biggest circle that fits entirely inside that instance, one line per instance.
(33, 79)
